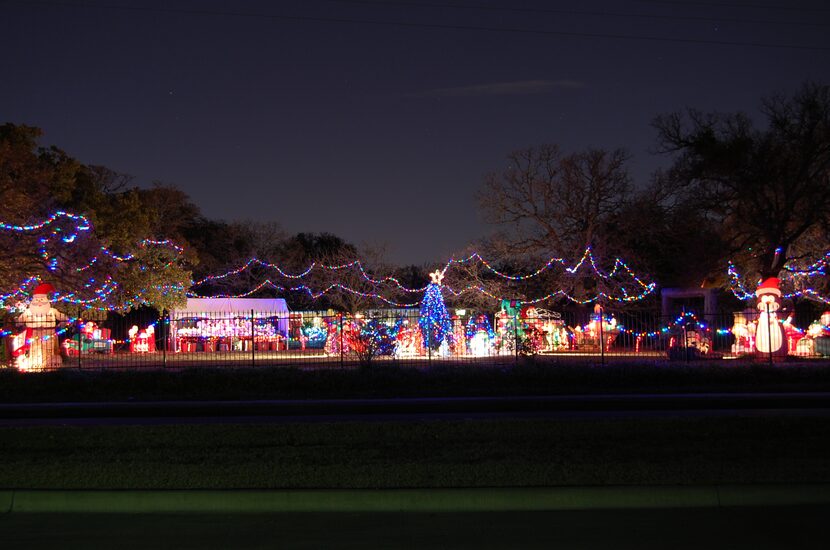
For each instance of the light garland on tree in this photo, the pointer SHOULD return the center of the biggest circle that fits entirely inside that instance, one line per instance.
(100, 292)
(587, 258)
(789, 274)
(315, 265)
(309, 291)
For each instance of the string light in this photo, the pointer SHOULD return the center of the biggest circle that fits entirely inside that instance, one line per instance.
(682, 321)
(59, 332)
(103, 292)
(315, 295)
(790, 275)
(587, 258)
(315, 265)
(100, 293)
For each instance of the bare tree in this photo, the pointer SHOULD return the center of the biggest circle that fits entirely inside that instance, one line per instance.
(355, 281)
(557, 204)
(551, 205)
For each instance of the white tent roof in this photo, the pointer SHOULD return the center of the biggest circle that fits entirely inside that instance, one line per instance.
(259, 306)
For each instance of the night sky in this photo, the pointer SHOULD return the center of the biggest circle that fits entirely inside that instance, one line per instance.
(377, 121)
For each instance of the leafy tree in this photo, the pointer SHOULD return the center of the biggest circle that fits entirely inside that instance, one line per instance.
(675, 244)
(37, 181)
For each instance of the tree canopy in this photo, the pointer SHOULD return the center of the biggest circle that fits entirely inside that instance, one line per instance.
(757, 194)
(117, 260)
(766, 188)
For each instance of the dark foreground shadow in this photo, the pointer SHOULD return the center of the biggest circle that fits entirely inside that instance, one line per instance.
(793, 527)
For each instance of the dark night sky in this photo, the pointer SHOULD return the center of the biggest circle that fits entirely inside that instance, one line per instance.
(304, 113)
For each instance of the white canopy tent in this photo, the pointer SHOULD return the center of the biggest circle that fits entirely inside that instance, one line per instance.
(261, 307)
(213, 311)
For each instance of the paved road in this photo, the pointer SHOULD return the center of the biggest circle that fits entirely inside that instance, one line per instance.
(791, 528)
(565, 406)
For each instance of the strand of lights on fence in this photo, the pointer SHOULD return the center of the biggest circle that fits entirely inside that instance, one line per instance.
(59, 332)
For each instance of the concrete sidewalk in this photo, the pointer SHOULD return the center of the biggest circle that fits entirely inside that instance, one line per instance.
(412, 500)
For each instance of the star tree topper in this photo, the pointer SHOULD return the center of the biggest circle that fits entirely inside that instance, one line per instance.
(437, 276)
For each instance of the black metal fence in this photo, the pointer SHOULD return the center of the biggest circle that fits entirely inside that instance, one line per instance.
(96, 340)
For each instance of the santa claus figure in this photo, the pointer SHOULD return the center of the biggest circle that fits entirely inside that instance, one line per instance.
(769, 334)
(142, 341)
(40, 320)
(740, 330)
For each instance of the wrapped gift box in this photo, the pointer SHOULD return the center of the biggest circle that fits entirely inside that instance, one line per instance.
(187, 346)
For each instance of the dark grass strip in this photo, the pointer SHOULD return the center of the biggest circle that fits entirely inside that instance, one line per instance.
(511, 453)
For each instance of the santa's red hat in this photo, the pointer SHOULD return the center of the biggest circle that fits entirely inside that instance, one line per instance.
(769, 286)
(43, 288)
(527, 310)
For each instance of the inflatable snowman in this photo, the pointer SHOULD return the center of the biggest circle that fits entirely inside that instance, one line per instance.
(40, 320)
(769, 334)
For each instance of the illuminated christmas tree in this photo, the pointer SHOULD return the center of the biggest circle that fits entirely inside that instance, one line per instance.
(435, 320)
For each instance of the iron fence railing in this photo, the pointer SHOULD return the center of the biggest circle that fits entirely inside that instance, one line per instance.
(90, 340)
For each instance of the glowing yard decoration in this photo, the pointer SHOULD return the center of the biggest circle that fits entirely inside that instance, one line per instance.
(435, 324)
(480, 336)
(40, 320)
(769, 336)
(142, 341)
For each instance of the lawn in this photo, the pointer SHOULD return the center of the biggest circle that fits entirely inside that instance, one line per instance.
(374, 454)
(482, 453)
(530, 377)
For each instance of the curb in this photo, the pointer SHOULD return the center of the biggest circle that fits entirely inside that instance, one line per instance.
(420, 405)
(411, 500)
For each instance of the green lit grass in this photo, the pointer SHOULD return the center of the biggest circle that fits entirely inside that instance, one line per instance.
(511, 453)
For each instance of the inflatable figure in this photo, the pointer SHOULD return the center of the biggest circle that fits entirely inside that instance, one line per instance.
(479, 335)
(740, 330)
(40, 320)
(769, 334)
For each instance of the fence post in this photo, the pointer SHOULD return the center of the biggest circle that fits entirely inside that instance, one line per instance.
(685, 339)
(78, 328)
(601, 337)
(769, 334)
(253, 341)
(340, 316)
(164, 321)
(515, 338)
(429, 345)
